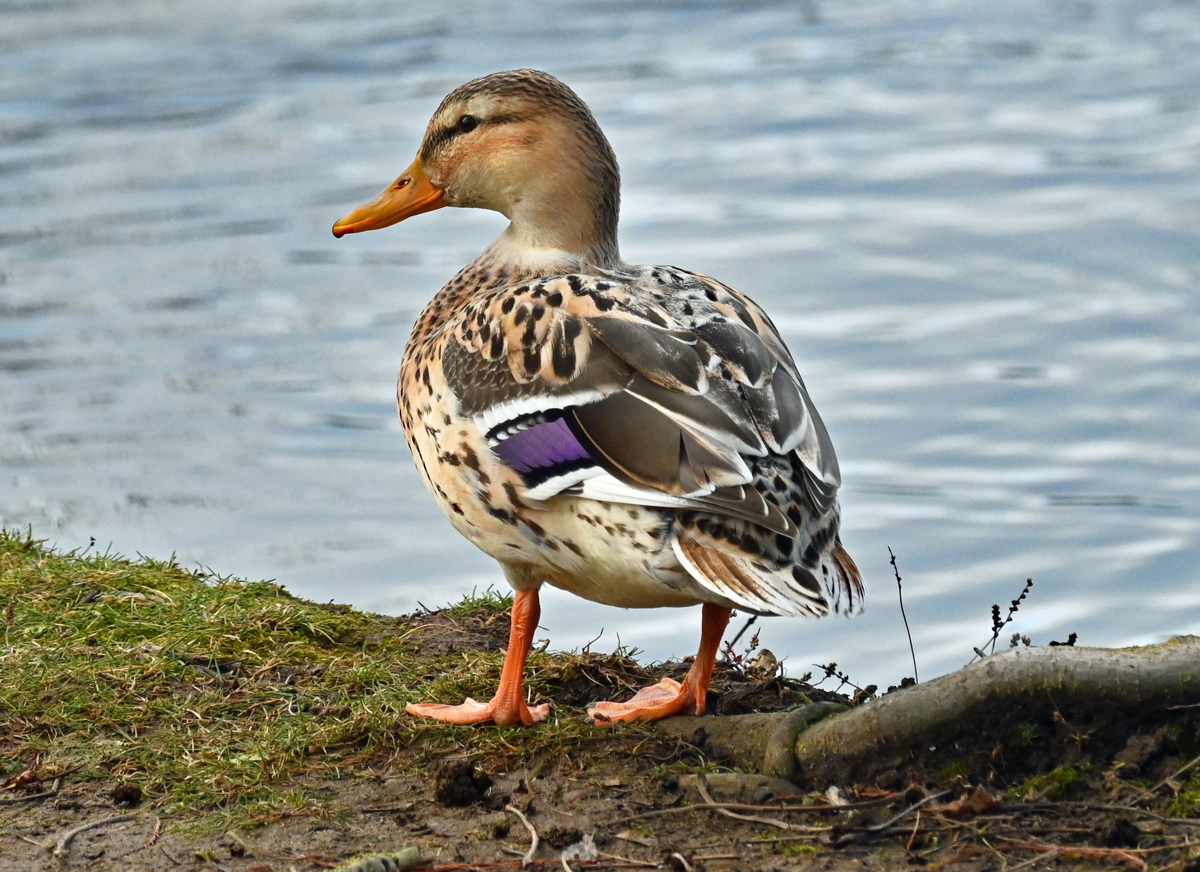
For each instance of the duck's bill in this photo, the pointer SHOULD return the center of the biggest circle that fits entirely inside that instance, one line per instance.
(409, 195)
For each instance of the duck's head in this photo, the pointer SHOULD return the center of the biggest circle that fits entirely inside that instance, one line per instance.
(520, 143)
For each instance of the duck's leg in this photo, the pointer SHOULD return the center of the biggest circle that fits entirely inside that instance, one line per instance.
(507, 708)
(669, 697)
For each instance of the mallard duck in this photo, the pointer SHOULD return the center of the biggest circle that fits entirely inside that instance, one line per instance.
(636, 435)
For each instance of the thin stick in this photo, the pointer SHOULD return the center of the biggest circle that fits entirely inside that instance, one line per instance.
(1080, 852)
(742, 632)
(43, 795)
(528, 858)
(900, 593)
(803, 837)
(1186, 822)
(1175, 775)
(739, 806)
(63, 847)
(914, 807)
(637, 863)
(916, 829)
(163, 849)
(859, 833)
(703, 788)
(1037, 859)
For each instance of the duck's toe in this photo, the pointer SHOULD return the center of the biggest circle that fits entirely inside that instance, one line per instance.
(661, 700)
(472, 712)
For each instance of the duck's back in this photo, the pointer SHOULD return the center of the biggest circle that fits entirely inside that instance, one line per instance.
(526, 399)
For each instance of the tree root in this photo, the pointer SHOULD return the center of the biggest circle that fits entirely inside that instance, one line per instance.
(986, 702)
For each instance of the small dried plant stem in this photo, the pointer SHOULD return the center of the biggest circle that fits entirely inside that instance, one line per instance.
(742, 631)
(998, 624)
(907, 632)
(1012, 610)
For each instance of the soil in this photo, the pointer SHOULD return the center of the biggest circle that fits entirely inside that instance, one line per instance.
(640, 798)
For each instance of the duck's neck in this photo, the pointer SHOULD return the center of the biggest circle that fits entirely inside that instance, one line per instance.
(565, 208)
(530, 255)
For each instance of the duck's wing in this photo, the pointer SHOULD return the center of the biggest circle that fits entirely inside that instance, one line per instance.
(660, 388)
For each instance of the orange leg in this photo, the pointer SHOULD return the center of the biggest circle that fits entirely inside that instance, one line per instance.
(507, 708)
(669, 697)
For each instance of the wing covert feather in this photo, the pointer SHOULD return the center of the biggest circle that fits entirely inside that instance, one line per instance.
(676, 380)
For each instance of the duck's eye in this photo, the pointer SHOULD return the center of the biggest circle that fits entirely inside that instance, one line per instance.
(468, 123)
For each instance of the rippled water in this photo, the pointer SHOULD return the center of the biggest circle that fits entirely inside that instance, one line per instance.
(975, 224)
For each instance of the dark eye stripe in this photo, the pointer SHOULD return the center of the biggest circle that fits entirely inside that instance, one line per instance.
(441, 137)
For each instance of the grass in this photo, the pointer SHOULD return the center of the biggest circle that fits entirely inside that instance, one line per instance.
(1061, 782)
(216, 695)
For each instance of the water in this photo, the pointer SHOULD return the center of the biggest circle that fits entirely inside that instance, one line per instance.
(975, 226)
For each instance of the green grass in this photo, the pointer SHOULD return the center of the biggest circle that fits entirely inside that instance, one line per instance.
(219, 695)
(1062, 782)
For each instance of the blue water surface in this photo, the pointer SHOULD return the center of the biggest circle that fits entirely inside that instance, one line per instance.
(975, 225)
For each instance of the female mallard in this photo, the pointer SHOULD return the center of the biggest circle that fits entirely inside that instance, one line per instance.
(637, 435)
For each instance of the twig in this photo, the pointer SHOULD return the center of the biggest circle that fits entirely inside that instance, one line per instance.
(63, 847)
(703, 788)
(742, 632)
(900, 593)
(637, 863)
(738, 806)
(1047, 856)
(166, 854)
(43, 795)
(1175, 775)
(874, 828)
(916, 829)
(1084, 806)
(386, 809)
(528, 858)
(1079, 852)
(857, 834)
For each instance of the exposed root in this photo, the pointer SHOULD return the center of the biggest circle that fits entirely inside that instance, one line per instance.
(529, 855)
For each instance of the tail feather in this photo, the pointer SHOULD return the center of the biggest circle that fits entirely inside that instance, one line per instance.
(846, 591)
(750, 584)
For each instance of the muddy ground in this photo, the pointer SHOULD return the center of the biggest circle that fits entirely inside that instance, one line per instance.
(1056, 796)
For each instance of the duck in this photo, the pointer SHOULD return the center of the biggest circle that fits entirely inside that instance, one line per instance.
(639, 436)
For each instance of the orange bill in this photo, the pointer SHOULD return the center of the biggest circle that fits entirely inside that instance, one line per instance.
(409, 195)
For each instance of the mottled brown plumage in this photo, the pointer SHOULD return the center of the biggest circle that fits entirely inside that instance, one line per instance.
(639, 436)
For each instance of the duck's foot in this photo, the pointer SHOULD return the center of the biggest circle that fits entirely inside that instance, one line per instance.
(500, 712)
(669, 697)
(507, 708)
(661, 700)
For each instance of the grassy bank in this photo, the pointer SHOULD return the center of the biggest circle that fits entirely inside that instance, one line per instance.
(215, 694)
